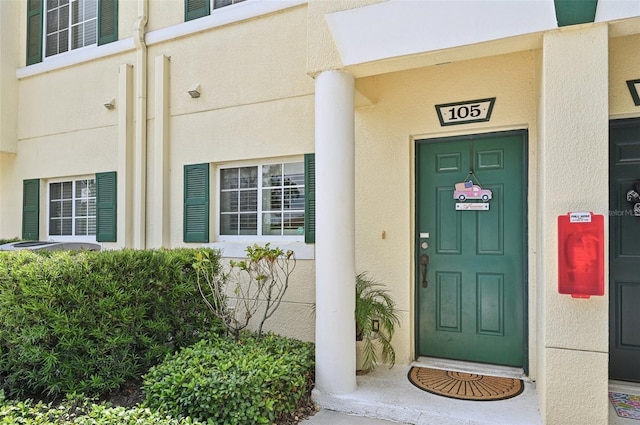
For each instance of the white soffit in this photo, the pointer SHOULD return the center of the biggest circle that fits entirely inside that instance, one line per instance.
(609, 10)
(404, 27)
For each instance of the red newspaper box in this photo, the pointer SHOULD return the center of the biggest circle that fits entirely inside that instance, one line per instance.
(581, 254)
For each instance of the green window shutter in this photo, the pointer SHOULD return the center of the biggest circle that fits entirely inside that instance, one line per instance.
(194, 9)
(31, 209)
(34, 31)
(573, 12)
(196, 203)
(310, 198)
(106, 207)
(107, 21)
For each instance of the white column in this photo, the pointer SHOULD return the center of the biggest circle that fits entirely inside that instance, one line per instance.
(335, 233)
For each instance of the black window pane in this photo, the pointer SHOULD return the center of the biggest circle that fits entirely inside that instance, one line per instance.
(64, 41)
(55, 227)
(76, 36)
(293, 198)
(293, 224)
(55, 191)
(248, 224)
(229, 201)
(67, 224)
(81, 226)
(228, 224)
(248, 200)
(271, 175)
(271, 199)
(229, 178)
(52, 45)
(248, 177)
(64, 17)
(52, 21)
(271, 224)
(55, 209)
(221, 3)
(90, 32)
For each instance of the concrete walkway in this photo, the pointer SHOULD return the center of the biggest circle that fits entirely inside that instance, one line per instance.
(387, 397)
(330, 417)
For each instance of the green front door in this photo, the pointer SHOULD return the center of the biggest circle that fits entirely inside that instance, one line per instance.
(624, 251)
(470, 296)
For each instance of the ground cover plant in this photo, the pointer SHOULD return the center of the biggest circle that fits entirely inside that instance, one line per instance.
(81, 411)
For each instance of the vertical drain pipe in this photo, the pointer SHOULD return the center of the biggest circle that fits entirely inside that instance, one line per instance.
(140, 140)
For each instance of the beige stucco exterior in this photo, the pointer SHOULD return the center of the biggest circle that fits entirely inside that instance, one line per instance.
(257, 102)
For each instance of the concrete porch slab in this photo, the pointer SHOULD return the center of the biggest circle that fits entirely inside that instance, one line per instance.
(387, 394)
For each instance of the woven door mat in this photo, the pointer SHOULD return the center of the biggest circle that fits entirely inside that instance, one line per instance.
(464, 386)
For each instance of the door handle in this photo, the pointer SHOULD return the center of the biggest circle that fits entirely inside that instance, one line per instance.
(424, 261)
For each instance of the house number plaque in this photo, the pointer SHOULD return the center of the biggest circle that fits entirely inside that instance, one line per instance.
(465, 112)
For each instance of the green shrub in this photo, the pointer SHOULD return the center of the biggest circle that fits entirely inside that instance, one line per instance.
(248, 381)
(82, 412)
(4, 241)
(87, 322)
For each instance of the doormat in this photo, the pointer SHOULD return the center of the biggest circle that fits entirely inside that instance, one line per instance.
(464, 386)
(626, 405)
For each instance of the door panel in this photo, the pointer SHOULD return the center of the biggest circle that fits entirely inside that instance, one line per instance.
(624, 252)
(473, 305)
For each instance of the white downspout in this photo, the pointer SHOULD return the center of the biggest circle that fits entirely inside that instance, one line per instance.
(140, 140)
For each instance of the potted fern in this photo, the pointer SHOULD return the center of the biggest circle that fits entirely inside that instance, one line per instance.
(376, 318)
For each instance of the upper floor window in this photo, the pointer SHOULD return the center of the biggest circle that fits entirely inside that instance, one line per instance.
(70, 24)
(64, 25)
(198, 8)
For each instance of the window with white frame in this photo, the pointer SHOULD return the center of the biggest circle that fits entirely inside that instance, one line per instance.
(59, 26)
(216, 4)
(194, 9)
(70, 24)
(72, 208)
(262, 200)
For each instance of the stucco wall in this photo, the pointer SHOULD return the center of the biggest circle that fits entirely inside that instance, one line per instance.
(623, 66)
(253, 106)
(573, 170)
(8, 114)
(8, 83)
(403, 111)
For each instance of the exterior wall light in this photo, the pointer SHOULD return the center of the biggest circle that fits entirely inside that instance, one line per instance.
(110, 104)
(634, 89)
(194, 91)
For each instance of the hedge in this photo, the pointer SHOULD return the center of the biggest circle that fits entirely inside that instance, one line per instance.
(239, 382)
(86, 322)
